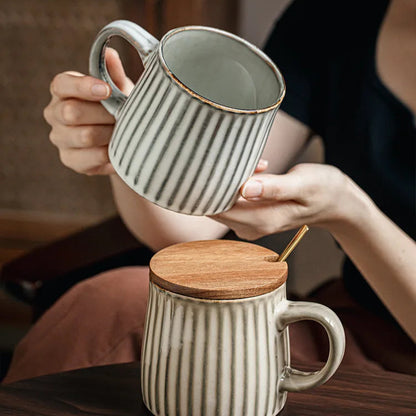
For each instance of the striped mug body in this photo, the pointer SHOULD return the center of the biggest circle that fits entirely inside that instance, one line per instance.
(224, 357)
(194, 127)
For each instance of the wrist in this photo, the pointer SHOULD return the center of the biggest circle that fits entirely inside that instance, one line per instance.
(352, 210)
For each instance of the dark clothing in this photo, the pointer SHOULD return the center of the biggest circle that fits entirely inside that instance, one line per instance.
(326, 52)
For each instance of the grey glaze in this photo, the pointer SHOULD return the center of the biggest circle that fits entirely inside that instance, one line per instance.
(193, 129)
(228, 357)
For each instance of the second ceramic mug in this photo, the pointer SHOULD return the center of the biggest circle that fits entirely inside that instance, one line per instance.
(194, 127)
(216, 340)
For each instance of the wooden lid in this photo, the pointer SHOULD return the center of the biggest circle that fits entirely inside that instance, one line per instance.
(217, 269)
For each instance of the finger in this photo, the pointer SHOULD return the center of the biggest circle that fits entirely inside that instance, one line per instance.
(75, 85)
(252, 220)
(65, 137)
(73, 112)
(116, 70)
(261, 166)
(106, 169)
(272, 187)
(85, 160)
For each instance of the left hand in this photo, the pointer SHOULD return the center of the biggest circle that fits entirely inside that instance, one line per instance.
(309, 193)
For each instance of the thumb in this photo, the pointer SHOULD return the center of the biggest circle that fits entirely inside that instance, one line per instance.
(116, 71)
(268, 187)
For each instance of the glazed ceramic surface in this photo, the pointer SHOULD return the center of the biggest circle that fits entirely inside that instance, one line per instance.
(194, 127)
(227, 357)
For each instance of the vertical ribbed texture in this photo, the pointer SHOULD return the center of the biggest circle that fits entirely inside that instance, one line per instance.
(213, 359)
(180, 152)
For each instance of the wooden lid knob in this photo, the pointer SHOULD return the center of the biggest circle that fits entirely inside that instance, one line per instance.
(217, 269)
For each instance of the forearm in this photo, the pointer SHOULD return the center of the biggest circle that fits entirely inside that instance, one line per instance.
(157, 227)
(383, 253)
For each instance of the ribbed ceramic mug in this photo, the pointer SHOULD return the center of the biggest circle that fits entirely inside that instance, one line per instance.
(216, 336)
(194, 126)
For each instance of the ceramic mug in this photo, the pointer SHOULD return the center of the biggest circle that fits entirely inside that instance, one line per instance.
(216, 334)
(194, 127)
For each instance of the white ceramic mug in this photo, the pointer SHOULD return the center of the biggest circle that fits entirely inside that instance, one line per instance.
(215, 353)
(194, 127)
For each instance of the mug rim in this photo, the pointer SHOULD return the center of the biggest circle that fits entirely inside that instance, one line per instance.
(250, 46)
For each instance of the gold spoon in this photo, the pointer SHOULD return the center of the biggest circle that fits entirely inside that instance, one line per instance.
(293, 243)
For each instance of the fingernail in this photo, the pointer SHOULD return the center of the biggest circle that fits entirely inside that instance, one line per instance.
(252, 189)
(100, 90)
(263, 163)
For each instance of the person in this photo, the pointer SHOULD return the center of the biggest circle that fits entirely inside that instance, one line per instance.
(349, 69)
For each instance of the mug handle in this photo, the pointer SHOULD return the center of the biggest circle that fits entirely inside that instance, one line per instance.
(289, 312)
(141, 40)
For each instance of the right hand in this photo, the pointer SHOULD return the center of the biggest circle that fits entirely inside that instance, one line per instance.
(81, 126)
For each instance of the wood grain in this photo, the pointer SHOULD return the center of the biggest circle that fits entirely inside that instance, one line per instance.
(217, 269)
(76, 252)
(22, 231)
(115, 390)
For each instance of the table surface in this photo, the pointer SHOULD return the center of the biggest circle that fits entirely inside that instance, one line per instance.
(115, 390)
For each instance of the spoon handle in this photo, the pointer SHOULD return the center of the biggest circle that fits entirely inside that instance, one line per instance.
(293, 243)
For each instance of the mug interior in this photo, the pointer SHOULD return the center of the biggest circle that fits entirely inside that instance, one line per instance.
(222, 68)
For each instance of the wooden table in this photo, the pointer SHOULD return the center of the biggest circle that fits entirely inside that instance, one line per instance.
(115, 390)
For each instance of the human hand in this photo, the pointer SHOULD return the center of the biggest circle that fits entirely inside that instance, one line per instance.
(81, 126)
(314, 194)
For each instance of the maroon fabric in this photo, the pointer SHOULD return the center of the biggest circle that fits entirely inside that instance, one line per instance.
(101, 320)
(371, 341)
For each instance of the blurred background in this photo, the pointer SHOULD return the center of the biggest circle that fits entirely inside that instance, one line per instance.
(42, 203)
